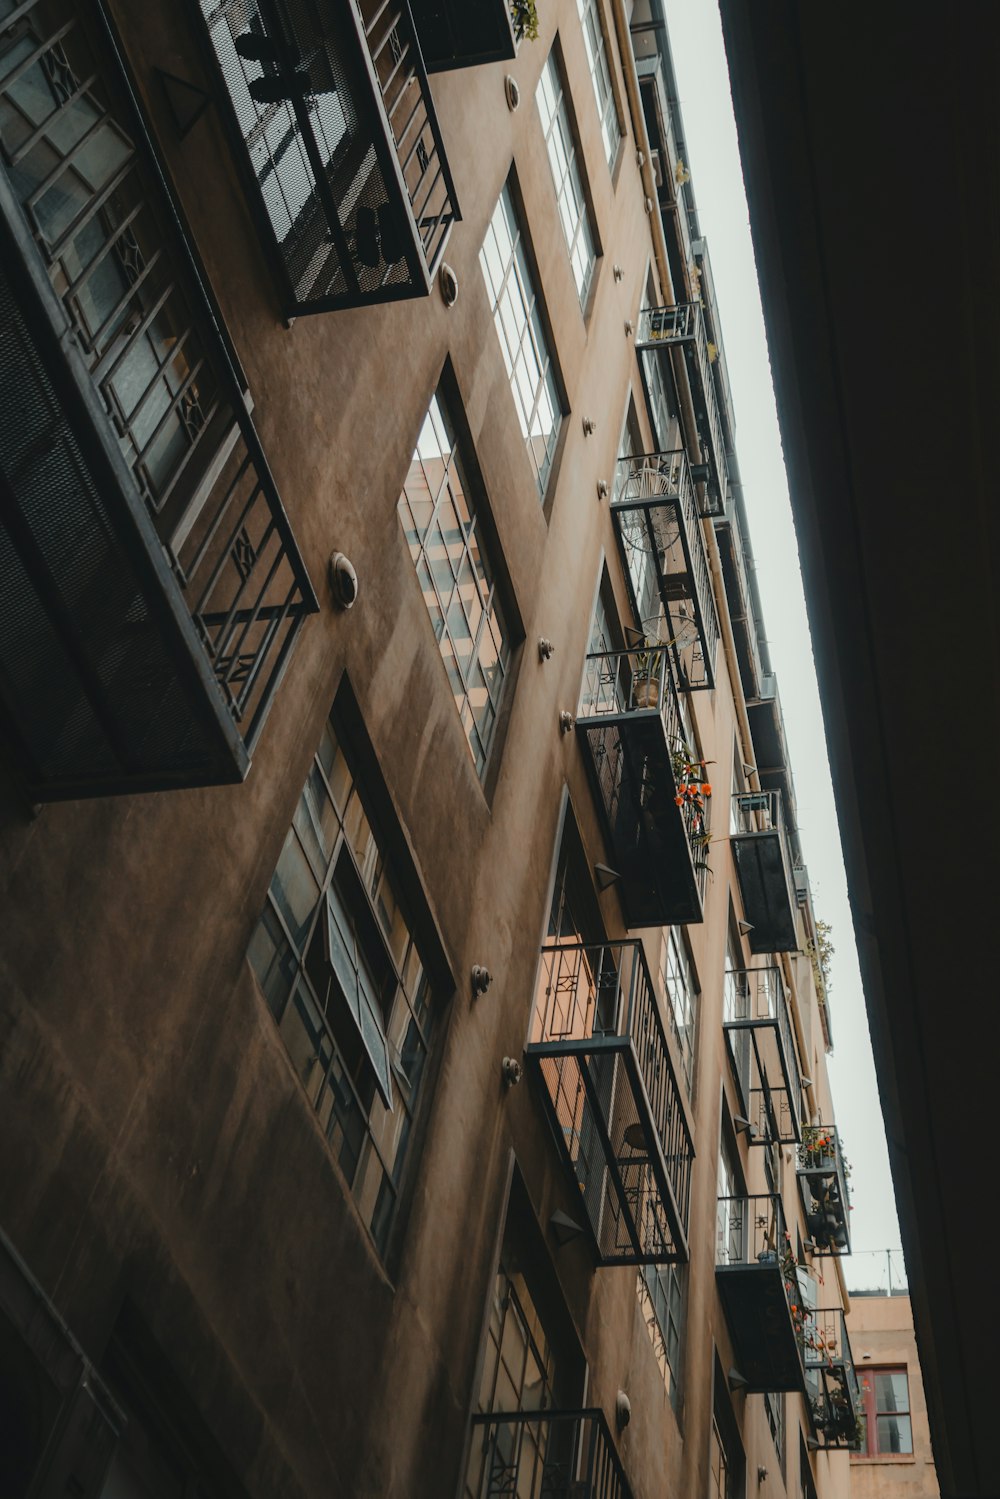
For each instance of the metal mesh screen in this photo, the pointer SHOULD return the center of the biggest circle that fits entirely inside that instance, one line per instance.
(335, 114)
(82, 663)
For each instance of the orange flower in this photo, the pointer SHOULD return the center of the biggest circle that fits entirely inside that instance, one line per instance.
(679, 799)
(706, 789)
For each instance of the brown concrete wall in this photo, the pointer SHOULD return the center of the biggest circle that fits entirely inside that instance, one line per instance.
(157, 1146)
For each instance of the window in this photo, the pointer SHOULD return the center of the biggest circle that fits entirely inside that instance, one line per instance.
(886, 1397)
(774, 1405)
(566, 175)
(677, 977)
(445, 537)
(720, 1484)
(531, 1363)
(517, 318)
(340, 969)
(661, 1297)
(600, 72)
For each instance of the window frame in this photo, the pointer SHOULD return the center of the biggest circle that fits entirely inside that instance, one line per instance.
(349, 1108)
(568, 175)
(528, 318)
(478, 540)
(602, 79)
(870, 1415)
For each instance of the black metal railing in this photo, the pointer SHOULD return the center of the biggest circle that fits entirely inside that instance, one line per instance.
(545, 1455)
(666, 564)
(761, 1042)
(831, 1379)
(339, 138)
(823, 1181)
(596, 1006)
(683, 326)
(118, 309)
(759, 1280)
(639, 682)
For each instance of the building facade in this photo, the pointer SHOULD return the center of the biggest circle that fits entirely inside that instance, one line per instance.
(895, 1455)
(439, 1106)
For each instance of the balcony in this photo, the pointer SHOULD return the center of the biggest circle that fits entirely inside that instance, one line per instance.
(663, 329)
(831, 1380)
(822, 1173)
(655, 819)
(757, 1280)
(601, 1054)
(544, 1455)
(334, 127)
(763, 867)
(762, 1053)
(152, 587)
(663, 555)
(455, 34)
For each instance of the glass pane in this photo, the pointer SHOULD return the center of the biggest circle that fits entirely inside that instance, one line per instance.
(294, 889)
(894, 1434)
(891, 1392)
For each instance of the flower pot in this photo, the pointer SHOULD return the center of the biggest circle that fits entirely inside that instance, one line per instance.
(646, 693)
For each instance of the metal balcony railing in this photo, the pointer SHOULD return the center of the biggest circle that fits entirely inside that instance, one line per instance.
(831, 1380)
(739, 596)
(763, 866)
(662, 329)
(455, 34)
(758, 1282)
(334, 123)
(663, 554)
(649, 791)
(823, 1174)
(761, 1043)
(549, 1454)
(599, 1046)
(153, 587)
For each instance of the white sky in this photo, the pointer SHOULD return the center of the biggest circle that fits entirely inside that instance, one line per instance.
(713, 159)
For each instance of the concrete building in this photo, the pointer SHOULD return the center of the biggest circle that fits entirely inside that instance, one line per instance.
(438, 1106)
(895, 1458)
(849, 252)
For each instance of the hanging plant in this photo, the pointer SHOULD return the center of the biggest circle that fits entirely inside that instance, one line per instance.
(681, 173)
(524, 16)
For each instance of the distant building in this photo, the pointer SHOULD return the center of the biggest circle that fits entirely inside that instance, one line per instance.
(895, 1460)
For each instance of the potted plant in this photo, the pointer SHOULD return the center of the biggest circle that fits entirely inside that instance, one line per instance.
(646, 669)
(524, 15)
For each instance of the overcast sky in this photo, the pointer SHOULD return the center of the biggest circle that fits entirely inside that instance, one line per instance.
(714, 162)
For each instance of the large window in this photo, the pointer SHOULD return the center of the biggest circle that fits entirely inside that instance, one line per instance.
(887, 1429)
(339, 966)
(600, 72)
(661, 1297)
(517, 318)
(566, 175)
(681, 990)
(445, 537)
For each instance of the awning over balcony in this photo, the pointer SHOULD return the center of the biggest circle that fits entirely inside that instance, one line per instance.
(665, 563)
(600, 1051)
(655, 820)
(457, 34)
(763, 868)
(757, 1280)
(153, 589)
(335, 131)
